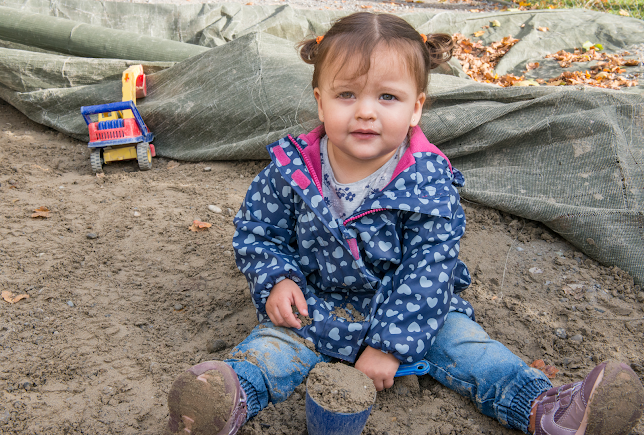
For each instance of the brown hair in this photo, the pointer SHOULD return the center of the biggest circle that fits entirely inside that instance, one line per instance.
(356, 36)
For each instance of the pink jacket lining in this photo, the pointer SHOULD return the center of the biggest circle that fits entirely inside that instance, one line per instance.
(418, 143)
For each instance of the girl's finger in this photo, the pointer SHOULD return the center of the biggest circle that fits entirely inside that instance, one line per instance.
(276, 317)
(388, 383)
(300, 303)
(289, 318)
(378, 384)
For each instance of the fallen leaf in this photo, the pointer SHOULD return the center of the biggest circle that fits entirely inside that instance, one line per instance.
(624, 13)
(366, 6)
(496, 23)
(479, 33)
(11, 298)
(550, 371)
(526, 83)
(531, 66)
(199, 226)
(41, 212)
(538, 364)
(173, 164)
(542, 29)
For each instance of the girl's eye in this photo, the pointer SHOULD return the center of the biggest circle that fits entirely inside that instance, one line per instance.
(345, 95)
(388, 97)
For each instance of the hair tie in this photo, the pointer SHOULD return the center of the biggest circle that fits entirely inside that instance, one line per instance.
(319, 39)
(422, 35)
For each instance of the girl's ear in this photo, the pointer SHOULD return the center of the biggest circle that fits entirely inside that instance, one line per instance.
(318, 98)
(418, 109)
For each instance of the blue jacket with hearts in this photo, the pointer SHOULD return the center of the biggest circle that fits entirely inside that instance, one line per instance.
(385, 277)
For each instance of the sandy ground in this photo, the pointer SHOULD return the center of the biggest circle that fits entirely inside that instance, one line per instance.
(111, 321)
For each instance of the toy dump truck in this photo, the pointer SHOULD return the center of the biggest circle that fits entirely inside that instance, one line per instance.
(120, 133)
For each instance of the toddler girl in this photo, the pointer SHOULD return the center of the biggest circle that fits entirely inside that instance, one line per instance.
(357, 225)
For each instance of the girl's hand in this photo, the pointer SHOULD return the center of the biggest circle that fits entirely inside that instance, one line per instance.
(379, 366)
(283, 296)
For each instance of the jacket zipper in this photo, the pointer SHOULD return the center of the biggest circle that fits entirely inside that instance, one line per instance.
(362, 214)
(307, 163)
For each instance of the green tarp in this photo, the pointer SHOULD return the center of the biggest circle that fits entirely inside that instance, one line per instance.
(570, 157)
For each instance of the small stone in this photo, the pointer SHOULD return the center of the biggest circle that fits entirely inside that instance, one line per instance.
(137, 214)
(561, 333)
(215, 346)
(640, 297)
(563, 300)
(154, 367)
(61, 187)
(92, 235)
(70, 303)
(578, 338)
(599, 310)
(230, 212)
(12, 182)
(178, 307)
(227, 253)
(519, 248)
(207, 169)
(214, 209)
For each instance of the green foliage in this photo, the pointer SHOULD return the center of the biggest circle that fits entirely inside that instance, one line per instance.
(627, 8)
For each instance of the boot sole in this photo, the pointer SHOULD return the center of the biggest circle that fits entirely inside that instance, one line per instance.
(616, 403)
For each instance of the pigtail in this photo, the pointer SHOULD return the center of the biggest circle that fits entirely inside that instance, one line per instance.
(309, 49)
(440, 46)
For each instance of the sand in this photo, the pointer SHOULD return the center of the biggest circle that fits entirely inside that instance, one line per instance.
(113, 318)
(340, 388)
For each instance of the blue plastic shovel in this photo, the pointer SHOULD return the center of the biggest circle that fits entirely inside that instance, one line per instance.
(321, 421)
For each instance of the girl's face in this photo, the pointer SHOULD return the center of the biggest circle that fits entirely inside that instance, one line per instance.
(366, 118)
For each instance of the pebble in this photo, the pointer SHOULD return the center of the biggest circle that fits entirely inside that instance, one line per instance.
(154, 367)
(215, 346)
(92, 235)
(12, 182)
(137, 214)
(561, 333)
(214, 209)
(578, 338)
(519, 248)
(563, 300)
(178, 307)
(230, 212)
(70, 303)
(207, 169)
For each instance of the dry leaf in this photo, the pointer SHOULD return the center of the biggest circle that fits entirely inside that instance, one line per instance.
(531, 66)
(366, 6)
(496, 23)
(624, 13)
(41, 212)
(479, 33)
(542, 29)
(173, 164)
(11, 298)
(549, 371)
(199, 226)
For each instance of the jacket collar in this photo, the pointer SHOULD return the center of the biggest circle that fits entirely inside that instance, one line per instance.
(417, 143)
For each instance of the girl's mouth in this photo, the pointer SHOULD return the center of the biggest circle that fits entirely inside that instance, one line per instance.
(363, 134)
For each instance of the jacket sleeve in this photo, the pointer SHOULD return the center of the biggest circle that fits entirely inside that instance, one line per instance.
(410, 316)
(264, 240)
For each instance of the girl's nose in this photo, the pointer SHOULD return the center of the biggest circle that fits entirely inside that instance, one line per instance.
(365, 110)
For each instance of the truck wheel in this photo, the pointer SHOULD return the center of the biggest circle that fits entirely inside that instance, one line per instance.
(144, 156)
(95, 160)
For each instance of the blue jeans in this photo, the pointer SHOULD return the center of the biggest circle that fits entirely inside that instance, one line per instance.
(273, 361)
